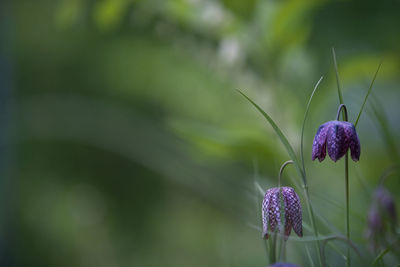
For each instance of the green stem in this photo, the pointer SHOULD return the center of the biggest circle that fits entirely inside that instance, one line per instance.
(346, 175)
(343, 108)
(272, 251)
(313, 224)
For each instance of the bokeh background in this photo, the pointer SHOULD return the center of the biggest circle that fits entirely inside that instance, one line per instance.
(125, 143)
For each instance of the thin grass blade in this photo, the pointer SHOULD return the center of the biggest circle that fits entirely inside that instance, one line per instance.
(309, 257)
(304, 122)
(366, 96)
(282, 137)
(337, 76)
(384, 252)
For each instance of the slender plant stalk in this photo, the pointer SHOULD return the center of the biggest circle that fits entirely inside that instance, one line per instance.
(337, 76)
(313, 224)
(272, 250)
(303, 173)
(346, 168)
(300, 171)
(346, 178)
(346, 175)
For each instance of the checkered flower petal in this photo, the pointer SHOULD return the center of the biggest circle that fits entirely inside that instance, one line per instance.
(336, 137)
(265, 217)
(293, 214)
(354, 142)
(319, 144)
(271, 211)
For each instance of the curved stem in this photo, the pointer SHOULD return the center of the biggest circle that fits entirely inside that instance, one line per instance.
(281, 170)
(342, 106)
(346, 178)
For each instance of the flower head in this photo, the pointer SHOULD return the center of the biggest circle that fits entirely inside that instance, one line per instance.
(271, 212)
(382, 214)
(336, 137)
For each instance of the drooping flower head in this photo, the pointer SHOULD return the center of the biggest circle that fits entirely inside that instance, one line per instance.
(336, 137)
(382, 214)
(271, 211)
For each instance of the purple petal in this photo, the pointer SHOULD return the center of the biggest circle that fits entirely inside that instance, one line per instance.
(274, 213)
(265, 212)
(337, 142)
(354, 142)
(386, 201)
(293, 214)
(319, 143)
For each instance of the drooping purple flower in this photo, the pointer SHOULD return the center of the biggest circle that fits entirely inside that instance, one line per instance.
(336, 137)
(271, 212)
(386, 202)
(382, 214)
(283, 264)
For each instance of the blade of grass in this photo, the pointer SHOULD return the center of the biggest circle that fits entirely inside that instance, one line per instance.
(366, 96)
(282, 137)
(304, 123)
(258, 190)
(309, 257)
(292, 155)
(347, 242)
(384, 252)
(337, 77)
(382, 121)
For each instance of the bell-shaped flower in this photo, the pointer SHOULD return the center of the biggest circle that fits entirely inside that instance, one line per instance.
(382, 215)
(271, 211)
(336, 137)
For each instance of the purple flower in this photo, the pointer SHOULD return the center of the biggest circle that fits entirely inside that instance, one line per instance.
(271, 212)
(282, 264)
(386, 201)
(337, 137)
(382, 214)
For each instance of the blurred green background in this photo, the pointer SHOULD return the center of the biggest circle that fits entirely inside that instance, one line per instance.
(125, 143)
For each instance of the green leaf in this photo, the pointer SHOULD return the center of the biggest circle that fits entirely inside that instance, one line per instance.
(366, 96)
(304, 123)
(281, 136)
(337, 76)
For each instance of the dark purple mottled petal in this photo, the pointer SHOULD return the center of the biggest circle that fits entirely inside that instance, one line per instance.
(319, 143)
(354, 142)
(292, 210)
(337, 143)
(288, 219)
(274, 213)
(386, 201)
(265, 212)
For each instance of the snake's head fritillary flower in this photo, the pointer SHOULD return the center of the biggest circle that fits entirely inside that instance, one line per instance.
(271, 212)
(386, 203)
(381, 214)
(336, 137)
(283, 264)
